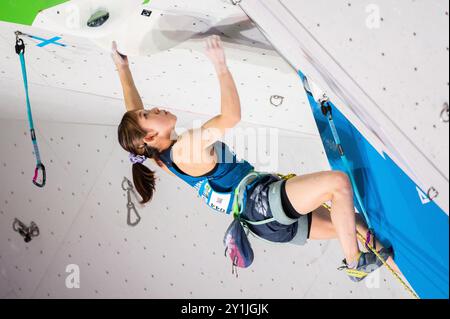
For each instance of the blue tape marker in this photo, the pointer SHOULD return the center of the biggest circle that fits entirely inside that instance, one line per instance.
(46, 42)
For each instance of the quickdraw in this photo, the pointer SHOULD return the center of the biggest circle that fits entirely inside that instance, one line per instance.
(327, 111)
(131, 208)
(20, 50)
(26, 232)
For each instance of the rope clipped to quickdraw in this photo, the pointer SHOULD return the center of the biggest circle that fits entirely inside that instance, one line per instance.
(327, 111)
(20, 50)
(371, 248)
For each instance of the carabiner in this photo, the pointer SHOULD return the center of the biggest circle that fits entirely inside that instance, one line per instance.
(39, 167)
(34, 230)
(325, 106)
(17, 225)
(132, 208)
(26, 232)
(127, 181)
(20, 45)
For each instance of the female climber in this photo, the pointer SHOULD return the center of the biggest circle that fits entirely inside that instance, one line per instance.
(295, 203)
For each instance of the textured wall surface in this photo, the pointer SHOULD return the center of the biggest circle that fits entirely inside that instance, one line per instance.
(176, 251)
(384, 63)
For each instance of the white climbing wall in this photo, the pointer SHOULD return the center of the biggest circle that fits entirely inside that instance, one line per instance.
(176, 251)
(384, 64)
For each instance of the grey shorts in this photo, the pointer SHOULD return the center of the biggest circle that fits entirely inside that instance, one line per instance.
(265, 201)
(280, 215)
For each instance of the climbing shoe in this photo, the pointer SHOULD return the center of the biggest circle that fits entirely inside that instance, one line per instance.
(367, 263)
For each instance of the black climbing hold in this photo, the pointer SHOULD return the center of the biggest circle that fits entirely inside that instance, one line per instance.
(146, 13)
(98, 18)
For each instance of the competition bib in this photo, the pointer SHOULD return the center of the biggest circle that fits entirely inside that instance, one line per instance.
(216, 200)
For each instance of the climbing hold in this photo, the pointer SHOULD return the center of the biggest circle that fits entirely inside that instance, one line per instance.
(98, 18)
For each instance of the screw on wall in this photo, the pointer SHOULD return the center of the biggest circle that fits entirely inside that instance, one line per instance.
(432, 193)
(26, 232)
(276, 100)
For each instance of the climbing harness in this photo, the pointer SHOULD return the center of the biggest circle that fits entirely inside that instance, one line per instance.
(238, 247)
(238, 210)
(238, 197)
(26, 232)
(327, 111)
(239, 193)
(238, 206)
(20, 50)
(131, 208)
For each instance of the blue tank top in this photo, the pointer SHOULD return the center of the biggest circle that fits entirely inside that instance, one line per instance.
(218, 186)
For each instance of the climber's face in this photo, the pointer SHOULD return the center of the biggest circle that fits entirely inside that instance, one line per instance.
(158, 123)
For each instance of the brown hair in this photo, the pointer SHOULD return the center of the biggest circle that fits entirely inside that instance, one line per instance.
(130, 138)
